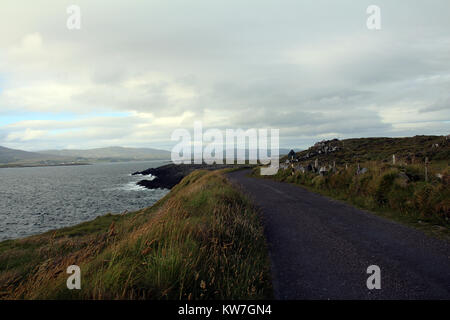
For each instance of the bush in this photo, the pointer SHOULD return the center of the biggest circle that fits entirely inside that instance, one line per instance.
(415, 173)
(384, 186)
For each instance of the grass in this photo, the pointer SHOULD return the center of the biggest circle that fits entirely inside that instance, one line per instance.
(398, 192)
(202, 241)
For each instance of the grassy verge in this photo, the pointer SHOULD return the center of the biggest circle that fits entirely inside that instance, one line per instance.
(396, 192)
(202, 241)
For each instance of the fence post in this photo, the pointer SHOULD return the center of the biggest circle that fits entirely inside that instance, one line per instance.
(426, 169)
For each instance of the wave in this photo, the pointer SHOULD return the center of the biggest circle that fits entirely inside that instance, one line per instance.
(133, 186)
(148, 176)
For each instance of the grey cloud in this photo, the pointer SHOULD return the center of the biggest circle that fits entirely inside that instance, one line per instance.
(247, 63)
(443, 105)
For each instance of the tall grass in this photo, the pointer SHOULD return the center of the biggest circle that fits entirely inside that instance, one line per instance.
(202, 241)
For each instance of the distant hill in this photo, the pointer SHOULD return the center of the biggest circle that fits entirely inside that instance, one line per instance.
(8, 155)
(112, 154)
(19, 158)
(378, 149)
(283, 151)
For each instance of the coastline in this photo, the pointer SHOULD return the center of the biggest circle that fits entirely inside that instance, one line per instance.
(4, 166)
(169, 175)
(166, 246)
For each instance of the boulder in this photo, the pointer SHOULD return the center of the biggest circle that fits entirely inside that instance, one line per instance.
(362, 171)
(402, 179)
(323, 171)
(403, 176)
(299, 168)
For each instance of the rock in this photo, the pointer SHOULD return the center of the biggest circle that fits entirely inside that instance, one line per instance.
(403, 176)
(402, 179)
(361, 171)
(323, 171)
(439, 228)
(291, 155)
(158, 183)
(167, 176)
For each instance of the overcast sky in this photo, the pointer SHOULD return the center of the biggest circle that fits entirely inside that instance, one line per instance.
(138, 70)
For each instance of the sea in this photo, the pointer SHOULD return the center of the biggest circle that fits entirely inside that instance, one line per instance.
(39, 199)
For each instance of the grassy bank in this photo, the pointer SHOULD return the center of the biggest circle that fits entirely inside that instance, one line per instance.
(202, 241)
(397, 192)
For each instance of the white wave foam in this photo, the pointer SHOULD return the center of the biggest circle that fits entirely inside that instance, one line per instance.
(133, 186)
(148, 176)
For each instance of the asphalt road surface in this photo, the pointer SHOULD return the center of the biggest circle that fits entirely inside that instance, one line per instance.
(321, 248)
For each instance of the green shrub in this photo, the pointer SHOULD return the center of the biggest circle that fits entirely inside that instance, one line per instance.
(415, 173)
(384, 186)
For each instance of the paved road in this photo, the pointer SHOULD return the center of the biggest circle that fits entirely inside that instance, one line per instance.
(321, 248)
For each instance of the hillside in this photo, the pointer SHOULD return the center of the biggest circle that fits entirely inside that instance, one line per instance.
(202, 241)
(112, 154)
(363, 173)
(19, 158)
(409, 150)
(8, 155)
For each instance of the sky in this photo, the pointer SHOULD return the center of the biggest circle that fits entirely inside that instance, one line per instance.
(136, 70)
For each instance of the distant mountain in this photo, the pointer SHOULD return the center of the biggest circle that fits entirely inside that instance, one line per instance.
(19, 158)
(8, 155)
(284, 151)
(112, 154)
(228, 152)
(109, 154)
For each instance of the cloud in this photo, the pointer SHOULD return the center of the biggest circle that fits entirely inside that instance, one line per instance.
(25, 135)
(442, 105)
(311, 69)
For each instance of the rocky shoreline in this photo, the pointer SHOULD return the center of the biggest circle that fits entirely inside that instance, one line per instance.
(167, 176)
